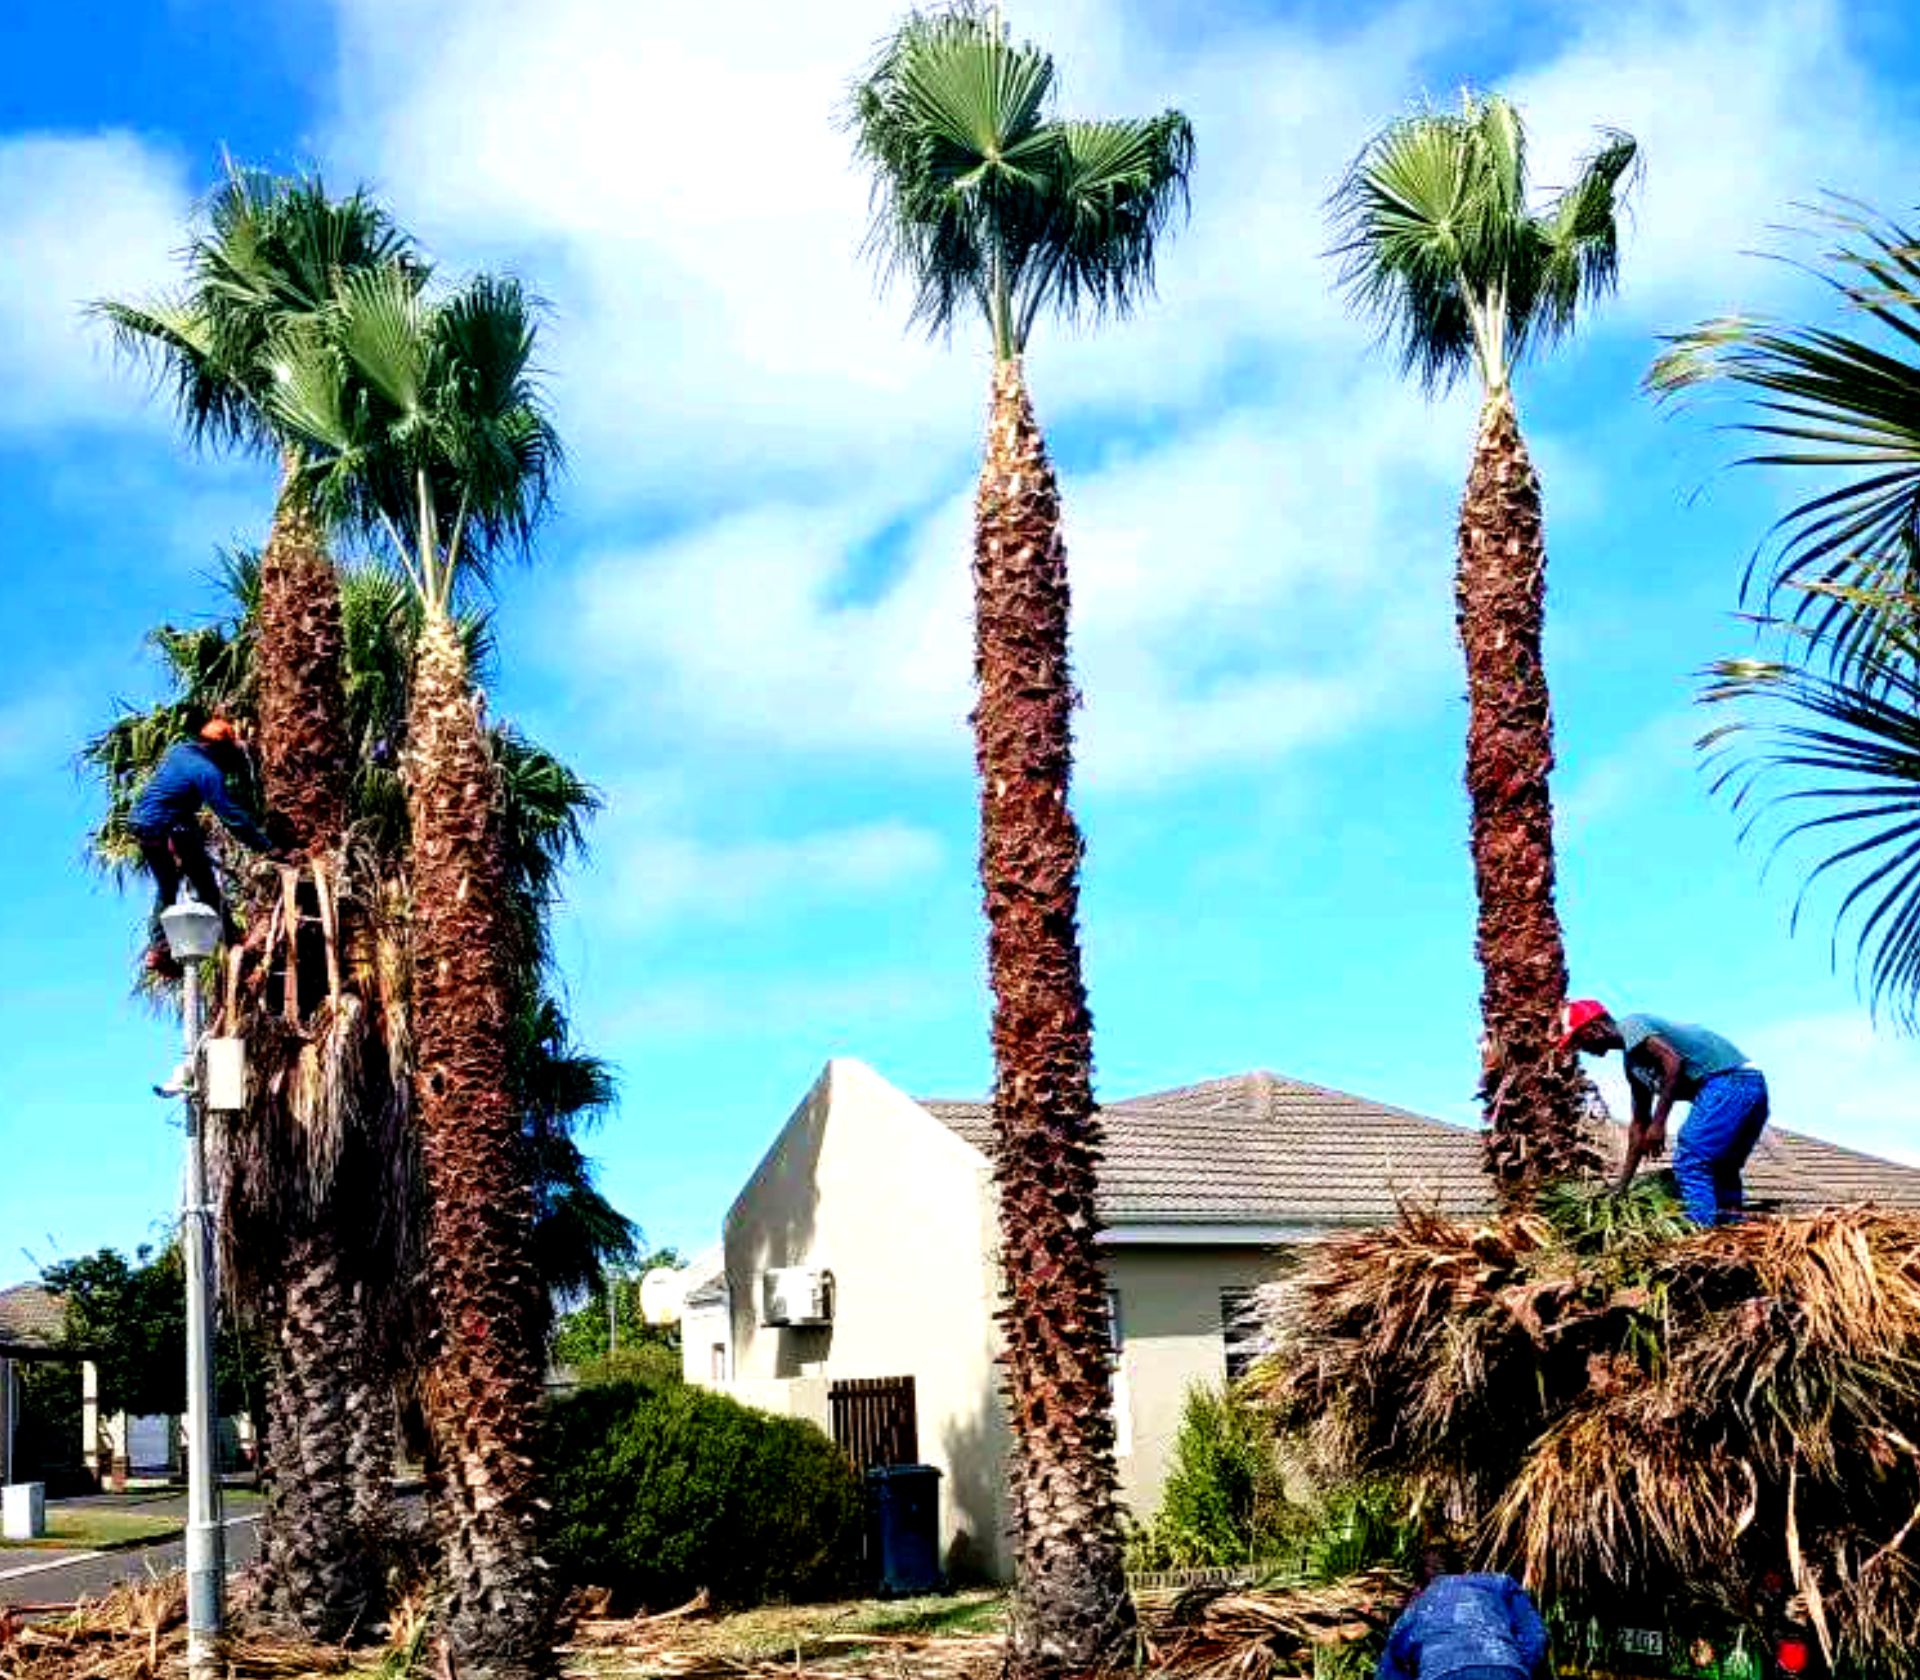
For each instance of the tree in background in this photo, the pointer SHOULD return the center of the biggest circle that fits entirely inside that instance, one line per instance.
(985, 202)
(584, 1338)
(1440, 242)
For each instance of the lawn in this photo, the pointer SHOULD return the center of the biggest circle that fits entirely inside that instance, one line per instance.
(97, 1526)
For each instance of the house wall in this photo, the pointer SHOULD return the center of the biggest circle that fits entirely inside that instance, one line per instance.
(865, 1183)
(1171, 1337)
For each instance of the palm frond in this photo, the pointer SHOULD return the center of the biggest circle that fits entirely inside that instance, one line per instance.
(1842, 406)
(1837, 756)
(1579, 242)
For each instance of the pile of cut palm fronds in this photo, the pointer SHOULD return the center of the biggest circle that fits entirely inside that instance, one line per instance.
(1264, 1633)
(1617, 1404)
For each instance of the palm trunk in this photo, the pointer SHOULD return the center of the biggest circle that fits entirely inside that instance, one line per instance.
(316, 1573)
(1530, 1096)
(1071, 1609)
(317, 1568)
(484, 1386)
(304, 752)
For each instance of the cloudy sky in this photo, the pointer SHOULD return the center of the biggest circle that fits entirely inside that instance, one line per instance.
(748, 623)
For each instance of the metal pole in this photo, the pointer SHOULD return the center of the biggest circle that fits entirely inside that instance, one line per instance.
(206, 1540)
(613, 1317)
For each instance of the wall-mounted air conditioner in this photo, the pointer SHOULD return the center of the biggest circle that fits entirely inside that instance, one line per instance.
(794, 1296)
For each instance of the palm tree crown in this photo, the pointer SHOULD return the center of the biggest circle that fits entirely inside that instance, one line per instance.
(1438, 240)
(420, 422)
(981, 197)
(272, 249)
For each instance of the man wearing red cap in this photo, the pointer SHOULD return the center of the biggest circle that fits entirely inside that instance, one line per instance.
(166, 822)
(1669, 1062)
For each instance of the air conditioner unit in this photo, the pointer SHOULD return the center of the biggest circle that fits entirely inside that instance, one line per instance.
(794, 1296)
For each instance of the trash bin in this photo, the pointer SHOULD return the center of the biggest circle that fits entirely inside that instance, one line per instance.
(903, 1508)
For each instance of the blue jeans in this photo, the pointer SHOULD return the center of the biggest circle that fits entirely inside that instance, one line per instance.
(1726, 1121)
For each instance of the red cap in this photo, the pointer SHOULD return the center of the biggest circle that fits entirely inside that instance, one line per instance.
(1578, 1014)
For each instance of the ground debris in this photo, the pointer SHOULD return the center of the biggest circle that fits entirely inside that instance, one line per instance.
(1264, 1633)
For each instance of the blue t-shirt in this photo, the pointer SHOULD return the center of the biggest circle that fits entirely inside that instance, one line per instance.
(1464, 1622)
(185, 780)
(1702, 1053)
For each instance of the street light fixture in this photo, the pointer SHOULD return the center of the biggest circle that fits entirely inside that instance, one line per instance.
(193, 934)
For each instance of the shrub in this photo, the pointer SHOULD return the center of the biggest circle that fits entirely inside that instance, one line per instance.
(662, 1489)
(1224, 1503)
(651, 1364)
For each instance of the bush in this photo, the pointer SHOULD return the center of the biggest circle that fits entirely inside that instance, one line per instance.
(651, 1364)
(1224, 1502)
(662, 1489)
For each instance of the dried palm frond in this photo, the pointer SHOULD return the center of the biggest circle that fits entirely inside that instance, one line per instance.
(1620, 1408)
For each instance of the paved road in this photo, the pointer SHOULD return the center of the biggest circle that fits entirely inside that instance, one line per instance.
(59, 1577)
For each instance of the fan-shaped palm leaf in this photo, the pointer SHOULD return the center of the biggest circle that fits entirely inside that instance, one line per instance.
(1845, 406)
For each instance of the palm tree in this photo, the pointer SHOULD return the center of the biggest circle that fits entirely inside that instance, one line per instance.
(557, 1087)
(1844, 407)
(420, 426)
(1439, 242)
(984, 201)
(271, 252)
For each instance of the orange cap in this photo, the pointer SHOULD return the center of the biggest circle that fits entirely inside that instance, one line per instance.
(220, 729)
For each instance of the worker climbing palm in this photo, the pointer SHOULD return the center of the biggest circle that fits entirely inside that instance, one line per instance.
(192, 775)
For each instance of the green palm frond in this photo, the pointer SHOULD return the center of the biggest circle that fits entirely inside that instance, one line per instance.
(1836, 757)
(1844, 406)
(270, 250)
(1439, 243)
(981, 199)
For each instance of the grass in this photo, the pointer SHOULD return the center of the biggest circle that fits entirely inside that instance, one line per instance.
(99, 1527)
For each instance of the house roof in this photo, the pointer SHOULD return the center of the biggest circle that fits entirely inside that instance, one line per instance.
(32, 1319)
(1260, 1149)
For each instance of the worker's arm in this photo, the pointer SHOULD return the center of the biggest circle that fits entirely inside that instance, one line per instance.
(1671, 1068)
(1637, 1130)
(213, 789)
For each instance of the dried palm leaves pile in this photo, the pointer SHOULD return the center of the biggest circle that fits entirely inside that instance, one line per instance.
(1213, 1633)
(1617, 1404)
(139, 1632)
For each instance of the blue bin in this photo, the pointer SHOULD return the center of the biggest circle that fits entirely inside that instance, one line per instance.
(903, 1506)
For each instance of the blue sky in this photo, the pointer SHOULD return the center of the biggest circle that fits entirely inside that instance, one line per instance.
(748, 624)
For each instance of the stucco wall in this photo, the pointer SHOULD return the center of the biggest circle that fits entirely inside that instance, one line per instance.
(865, 1183)
(1171, 1337)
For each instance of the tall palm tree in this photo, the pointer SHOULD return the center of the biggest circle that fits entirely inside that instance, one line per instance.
(984, 201)
(1843, 408)
(1440, 242)
(420, 426)
(271, 252)
(557, 1087)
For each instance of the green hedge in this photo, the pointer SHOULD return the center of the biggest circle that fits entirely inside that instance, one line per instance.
(662, 1489)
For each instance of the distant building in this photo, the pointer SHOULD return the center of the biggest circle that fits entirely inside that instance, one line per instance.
(856, 1280)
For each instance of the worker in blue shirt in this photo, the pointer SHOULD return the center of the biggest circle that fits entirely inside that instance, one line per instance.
(192, 775)
(1467, 1627)
(1672, 1061)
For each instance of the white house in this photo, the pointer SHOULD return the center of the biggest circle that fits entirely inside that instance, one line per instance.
(855, 1283)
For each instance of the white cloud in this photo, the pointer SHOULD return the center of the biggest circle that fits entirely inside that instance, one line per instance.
(81, 217)
(1643, 765)
(654, 879)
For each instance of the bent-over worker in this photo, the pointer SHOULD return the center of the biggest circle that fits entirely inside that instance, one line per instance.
(1668, 1062)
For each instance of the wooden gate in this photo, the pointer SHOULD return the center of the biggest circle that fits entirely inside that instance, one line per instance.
(874, 1420)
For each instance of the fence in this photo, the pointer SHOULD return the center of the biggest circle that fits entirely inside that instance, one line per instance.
(874, 1420)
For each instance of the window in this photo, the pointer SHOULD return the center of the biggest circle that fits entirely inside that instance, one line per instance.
(1241, 1333)
(718, 1369)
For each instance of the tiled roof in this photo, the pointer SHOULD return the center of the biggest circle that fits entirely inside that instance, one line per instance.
(31, 1318)
(1258, 1149)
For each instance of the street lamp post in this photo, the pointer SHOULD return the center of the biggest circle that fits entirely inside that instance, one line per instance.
(193, 934)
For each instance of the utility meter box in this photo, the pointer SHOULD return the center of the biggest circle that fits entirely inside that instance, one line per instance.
(23, 1511)
(226, 1074)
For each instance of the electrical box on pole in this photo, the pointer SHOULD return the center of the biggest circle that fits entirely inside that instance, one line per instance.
(226, 1074)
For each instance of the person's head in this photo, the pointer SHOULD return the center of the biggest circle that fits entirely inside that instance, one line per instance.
(1441, 1557)
(222, 741)
(1588, 1029)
